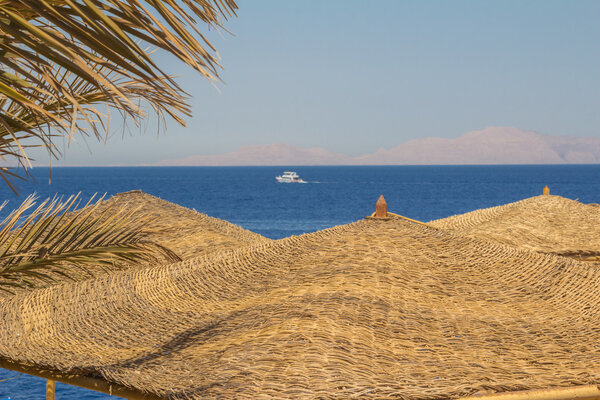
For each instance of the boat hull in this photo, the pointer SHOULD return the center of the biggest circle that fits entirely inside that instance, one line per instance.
(285, 180)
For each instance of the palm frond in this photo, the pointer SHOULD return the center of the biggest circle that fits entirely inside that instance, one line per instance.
(39, 244)
(50, 49)
(20, 128)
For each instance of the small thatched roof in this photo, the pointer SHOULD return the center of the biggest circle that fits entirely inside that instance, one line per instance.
(186, 232)
(546, 224)
(374, 309)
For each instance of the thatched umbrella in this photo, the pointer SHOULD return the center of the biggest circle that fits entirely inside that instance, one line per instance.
(373, 309)
(129, 230)
(546, 224)
(186, 232)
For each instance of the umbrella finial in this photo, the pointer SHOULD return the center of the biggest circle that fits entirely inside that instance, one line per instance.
(381, 208)
(546, 190)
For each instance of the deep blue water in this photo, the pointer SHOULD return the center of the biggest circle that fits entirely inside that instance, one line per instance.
(250, 197)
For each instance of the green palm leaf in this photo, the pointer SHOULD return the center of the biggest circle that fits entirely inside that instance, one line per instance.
(43, 243)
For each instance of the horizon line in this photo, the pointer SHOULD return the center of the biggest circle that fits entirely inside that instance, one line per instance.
(301, 165)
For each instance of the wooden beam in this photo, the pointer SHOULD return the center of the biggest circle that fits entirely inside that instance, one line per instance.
(97, 384)
(587, 392)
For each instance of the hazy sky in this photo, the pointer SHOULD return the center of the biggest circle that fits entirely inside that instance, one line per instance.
(353, 76)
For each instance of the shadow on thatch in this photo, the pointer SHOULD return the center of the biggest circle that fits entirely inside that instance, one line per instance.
(546, 224)
(373, 309)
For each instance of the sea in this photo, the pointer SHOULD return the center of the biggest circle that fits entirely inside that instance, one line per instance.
(251, 198)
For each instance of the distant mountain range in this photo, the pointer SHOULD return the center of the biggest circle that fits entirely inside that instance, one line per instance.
(493, 145)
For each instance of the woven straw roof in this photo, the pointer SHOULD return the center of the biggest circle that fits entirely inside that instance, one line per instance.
(547, 224)
(186, 232)
(373, 309)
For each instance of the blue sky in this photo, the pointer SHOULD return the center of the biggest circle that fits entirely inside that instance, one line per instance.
(352, 76)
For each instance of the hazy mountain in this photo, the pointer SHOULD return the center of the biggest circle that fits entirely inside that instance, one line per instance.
(494, 145)
(273, 154)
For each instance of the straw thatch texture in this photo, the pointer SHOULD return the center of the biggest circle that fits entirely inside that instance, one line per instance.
(186, 232)
(547, 224)
(374, 309)
(181, 231)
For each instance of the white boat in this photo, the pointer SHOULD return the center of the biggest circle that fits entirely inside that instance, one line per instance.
(289, 177)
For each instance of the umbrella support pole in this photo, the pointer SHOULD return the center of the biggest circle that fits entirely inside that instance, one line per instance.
(50, 389)
(85, 382)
